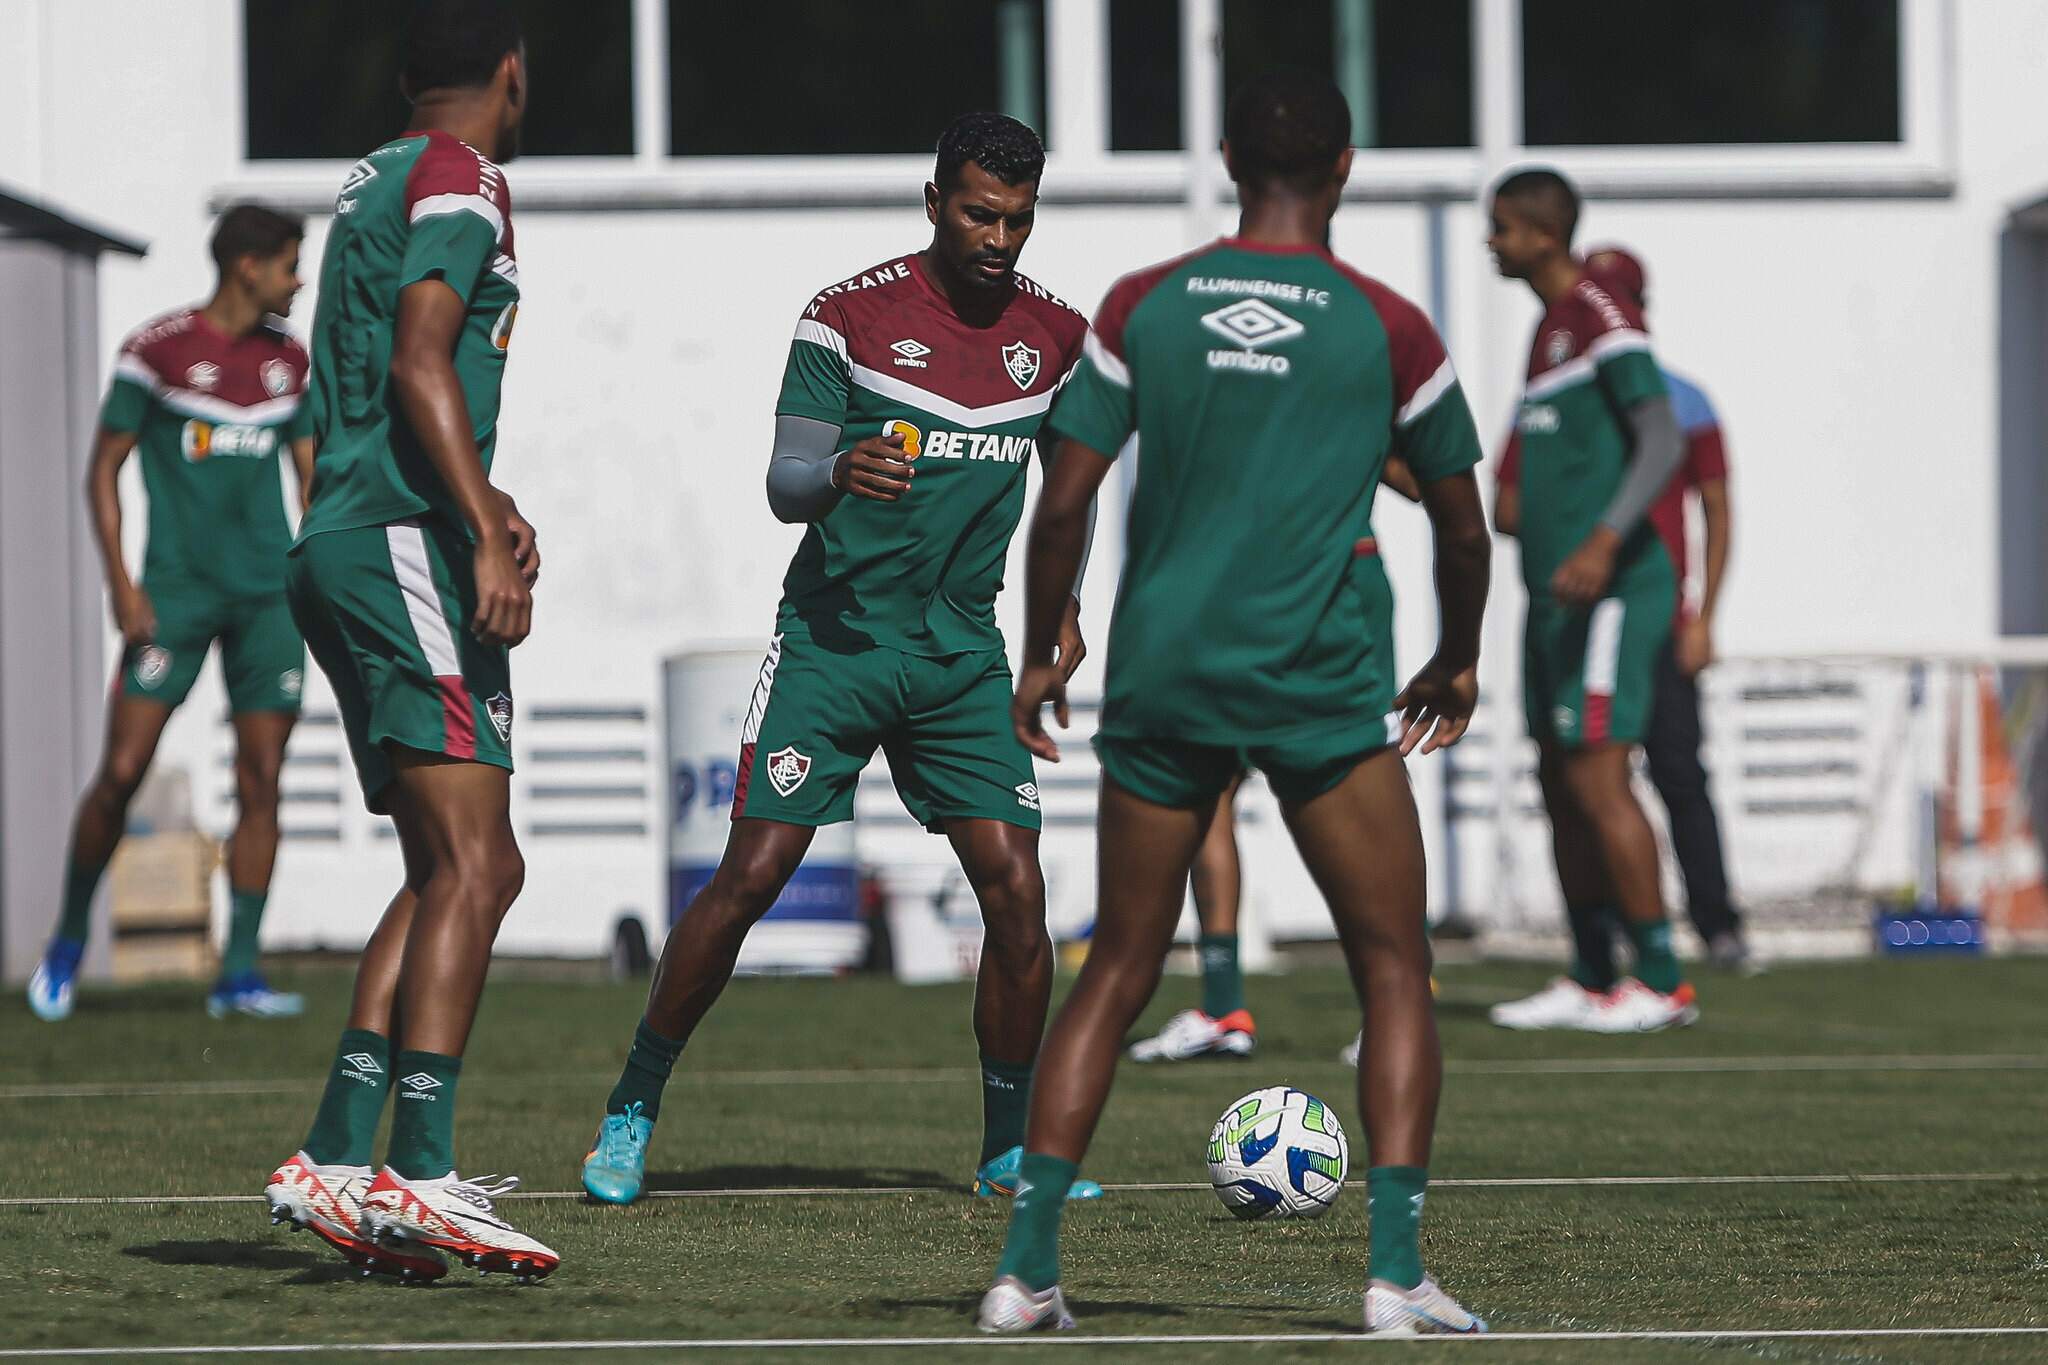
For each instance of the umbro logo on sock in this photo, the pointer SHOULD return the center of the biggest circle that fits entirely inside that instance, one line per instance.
(417, 1086)
(363, 1061)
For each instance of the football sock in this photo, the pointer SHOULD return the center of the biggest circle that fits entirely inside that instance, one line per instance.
(1656, 966)
(423, 1114)
(1592, 945)
(1222, 979)
(1394, 1224)
(80, 882)
(1031, 1252)
(345, 1124)
(245, 917)
(1005, 1104)
(649, 1063)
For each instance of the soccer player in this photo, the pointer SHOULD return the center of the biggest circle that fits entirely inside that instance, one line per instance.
(209, 395)
(412, 579)
(1600, 444)
(910, 406)
(1269, 382)
(1671, 742)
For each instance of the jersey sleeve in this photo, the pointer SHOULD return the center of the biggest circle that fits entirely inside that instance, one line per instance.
(818, 380)
(1099, 406)
(1509, 473)
(1619, 345)
(1433, 428)
(130, 393)
(455, 206)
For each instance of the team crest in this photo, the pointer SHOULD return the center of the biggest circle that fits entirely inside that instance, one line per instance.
(152, 664)
(277, 378)
(787, 769)
(1022, 363)
(499, 709)
(1557, 348)
(203, 375)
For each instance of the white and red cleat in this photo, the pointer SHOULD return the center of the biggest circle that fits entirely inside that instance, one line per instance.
(328, 1200)
(454, 1215)
(1563, 1004)
(1632, 1007)
(1191, 1034)
(1010, 1308)
(1424, 1310)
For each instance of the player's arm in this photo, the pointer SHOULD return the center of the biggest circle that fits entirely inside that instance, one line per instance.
(1073, 648)
(1507, 488)
(302, 466)
(1398, 476)
(1052, 562)
(1658, 450)
(1696, 641)
(134, 614)
(430, 317)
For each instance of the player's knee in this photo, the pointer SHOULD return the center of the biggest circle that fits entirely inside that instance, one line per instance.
(1018, 942)
(119, 778)
(490, 869)
(1015, 893)
(752, 881)
(256, 781)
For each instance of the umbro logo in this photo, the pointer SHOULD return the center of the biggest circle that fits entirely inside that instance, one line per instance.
(419, 1080)
(363, 1061)
(1027, 795)
(1252, 322)
(911, 353)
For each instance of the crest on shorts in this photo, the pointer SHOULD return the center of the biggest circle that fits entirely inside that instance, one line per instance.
(787, 769)
(499, 709)
(152, 664)
(1022, 363)
(277, 378)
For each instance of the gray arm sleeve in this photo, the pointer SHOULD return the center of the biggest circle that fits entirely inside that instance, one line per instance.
(1659, 450)
(800, 469)
(1046, 446)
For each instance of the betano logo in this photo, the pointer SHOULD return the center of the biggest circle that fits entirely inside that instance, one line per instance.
(202, 440)
(1251, 323)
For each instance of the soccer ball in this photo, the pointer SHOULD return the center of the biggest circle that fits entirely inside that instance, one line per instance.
(1278, 1153)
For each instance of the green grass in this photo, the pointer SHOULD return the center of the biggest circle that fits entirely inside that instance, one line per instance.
(862, 1083)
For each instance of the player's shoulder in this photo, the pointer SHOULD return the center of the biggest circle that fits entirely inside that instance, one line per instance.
(1601, 311)
(164, 331)
(1132, 289)
(171, 349)
(863, 295)
(1399, 314)
(448, 166)
(1064, 321)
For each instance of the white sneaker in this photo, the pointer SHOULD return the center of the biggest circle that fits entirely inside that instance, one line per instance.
(1563, 1004)
(1009, 1308)
(1349, 1056)
(454, 1215)
(1192, 1034)
(1424, 1310)
(1632, 1007)
(328, 1201)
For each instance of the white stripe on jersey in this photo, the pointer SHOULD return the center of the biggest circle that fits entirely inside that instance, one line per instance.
(435, 204)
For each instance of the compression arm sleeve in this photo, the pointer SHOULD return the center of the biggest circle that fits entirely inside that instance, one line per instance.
(1659, 450)
(800, 469)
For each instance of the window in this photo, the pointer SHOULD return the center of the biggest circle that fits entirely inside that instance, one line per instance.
(818, 77)
(321, 81)
(1622, 73)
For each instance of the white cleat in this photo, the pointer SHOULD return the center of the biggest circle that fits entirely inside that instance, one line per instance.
(454, 1215)
(1424, 1310)
(1632, 1007)
(1349, 1056)
(1192, 1034)
(328, 1201)
(1563, 1004)
(1009, 1308)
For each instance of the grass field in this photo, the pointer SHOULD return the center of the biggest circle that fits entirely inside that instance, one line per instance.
(862, 1093)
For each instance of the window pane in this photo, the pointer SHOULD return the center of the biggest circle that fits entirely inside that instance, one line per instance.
(1599, 72)
(816, 77)
(322, 80)
(1144, 75)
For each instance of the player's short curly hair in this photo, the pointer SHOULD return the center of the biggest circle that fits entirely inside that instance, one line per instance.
(1287, 127)
(1544, 196)
(252, 229)
(457, 44)
(999, 144)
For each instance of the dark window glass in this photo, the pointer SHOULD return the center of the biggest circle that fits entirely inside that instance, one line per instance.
(1406, 66)
(816, 77)
(321, 80)
(1622, 72)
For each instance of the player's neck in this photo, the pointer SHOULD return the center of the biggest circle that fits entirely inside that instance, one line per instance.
(971, 303)
(231, 312)
(1284, 220)
(470, 120)
(1555, 279)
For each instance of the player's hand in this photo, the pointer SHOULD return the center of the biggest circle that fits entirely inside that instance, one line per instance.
(504, 604)
(525, 542)
(1072, 648)
(1436, 707)
(1694, 647)
(1038, 684)
(878, 468)
(1586, 571)
(135, 615)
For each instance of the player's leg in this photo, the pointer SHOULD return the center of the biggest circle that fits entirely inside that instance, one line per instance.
(1671, 743)
(1222, 1026)
(1573, 1000)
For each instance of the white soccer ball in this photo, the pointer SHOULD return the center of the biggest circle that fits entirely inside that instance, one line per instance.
(1278, 1153)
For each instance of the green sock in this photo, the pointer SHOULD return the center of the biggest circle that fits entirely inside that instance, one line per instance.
(345, 1124)
(245, 917)
(423, 1114)
(1031, 1252)
(1222, 979)
(649, 1063)
(1656, 965)
(80, 882)
(1394, 1224)
(1592, 929)
(1005, 1105)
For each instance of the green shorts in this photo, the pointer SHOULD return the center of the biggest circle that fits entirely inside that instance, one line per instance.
(262, 657)
(1588, 677)
(386, 612)
(1186, 775)
(819, 714)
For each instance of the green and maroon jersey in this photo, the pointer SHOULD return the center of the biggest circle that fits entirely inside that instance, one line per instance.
(1589, 365)
(210, 413)
(425, 207)
(884, 353)
(1267, 387)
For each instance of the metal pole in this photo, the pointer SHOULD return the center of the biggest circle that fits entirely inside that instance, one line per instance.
(1358, 68)
(1201, 111)
(1017, 49)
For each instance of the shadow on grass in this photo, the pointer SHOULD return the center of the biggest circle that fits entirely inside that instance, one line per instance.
(233, 1255)
(798, 1177)
(967, 1304)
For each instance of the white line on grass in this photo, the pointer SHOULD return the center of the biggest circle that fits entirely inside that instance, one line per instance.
(1142, 1187)
(1041, 1339)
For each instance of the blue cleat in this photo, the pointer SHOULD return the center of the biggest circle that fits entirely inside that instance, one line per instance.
(617, 1164)
(250, 994)
(49, 990)
(998, 1179)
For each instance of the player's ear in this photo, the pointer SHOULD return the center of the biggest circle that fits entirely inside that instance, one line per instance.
(931, 202)
(512, 74)
(1229, 165)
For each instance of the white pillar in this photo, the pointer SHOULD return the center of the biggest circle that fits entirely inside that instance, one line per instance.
(1077, 78)
(1201, 112)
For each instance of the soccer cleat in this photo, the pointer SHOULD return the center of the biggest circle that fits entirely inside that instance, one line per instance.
(1424, 1310)
(1563, 1004)
(999, 1175)
(329, 1201)
(1192, 1034)
(1010, 1308)
(49, 989)
(1349, 1056)
(250, 994)
(1632, 1007)
(616, 1165)
(454, 1215)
